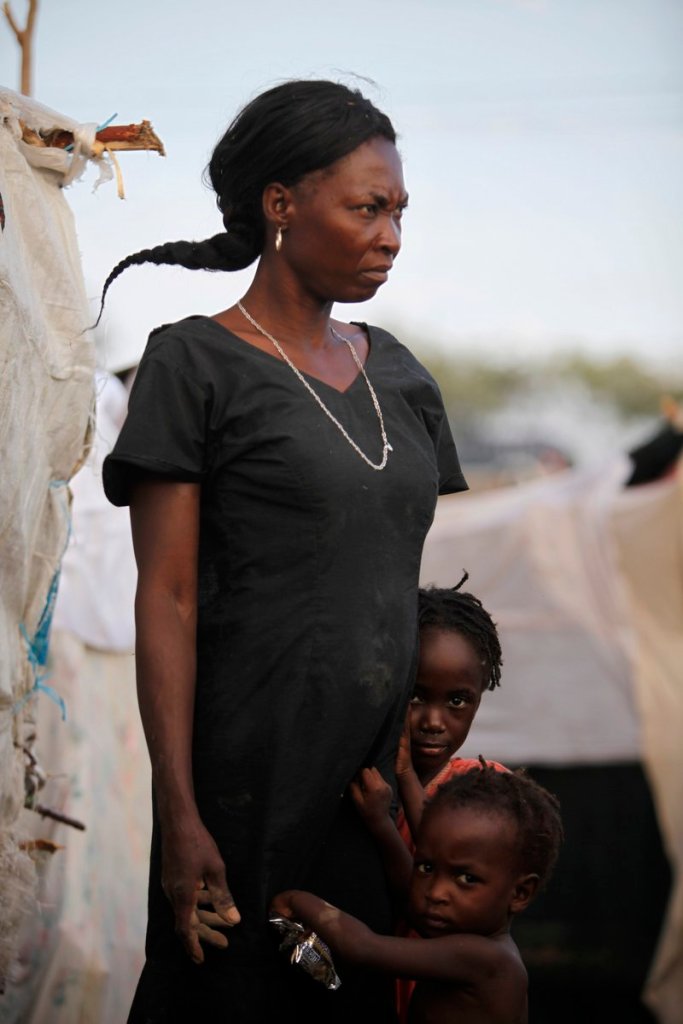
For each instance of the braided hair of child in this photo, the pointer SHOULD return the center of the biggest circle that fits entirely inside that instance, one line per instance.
(452, 609)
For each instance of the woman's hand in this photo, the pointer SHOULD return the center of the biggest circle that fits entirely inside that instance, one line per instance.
(193, 873)
(372, 797)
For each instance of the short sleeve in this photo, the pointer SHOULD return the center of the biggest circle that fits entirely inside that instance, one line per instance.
(165, 430)
(451, 477)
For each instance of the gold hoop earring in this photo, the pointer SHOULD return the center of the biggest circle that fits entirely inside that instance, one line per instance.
(278, 239)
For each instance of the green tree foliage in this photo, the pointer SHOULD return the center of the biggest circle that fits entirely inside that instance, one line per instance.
(473, 386)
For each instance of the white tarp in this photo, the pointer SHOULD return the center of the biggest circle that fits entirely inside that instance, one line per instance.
(543, 560)
(98, 578)
(46, 368)
(83, 948)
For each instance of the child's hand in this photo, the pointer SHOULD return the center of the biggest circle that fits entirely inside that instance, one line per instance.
(372, 796)
(404, 761)
(282, 904)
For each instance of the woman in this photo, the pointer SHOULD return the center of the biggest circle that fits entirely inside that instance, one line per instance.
(280, 495)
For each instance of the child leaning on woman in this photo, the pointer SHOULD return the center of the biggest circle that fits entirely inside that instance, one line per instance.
(472, 845)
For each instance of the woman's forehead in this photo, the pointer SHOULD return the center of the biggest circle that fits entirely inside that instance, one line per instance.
(375, 165)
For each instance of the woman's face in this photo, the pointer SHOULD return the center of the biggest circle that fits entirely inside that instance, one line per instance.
(343, 224)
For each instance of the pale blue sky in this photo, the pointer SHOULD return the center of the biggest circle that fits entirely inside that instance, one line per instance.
(543, 148)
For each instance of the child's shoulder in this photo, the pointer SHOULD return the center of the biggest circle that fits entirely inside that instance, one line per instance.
(482, 979)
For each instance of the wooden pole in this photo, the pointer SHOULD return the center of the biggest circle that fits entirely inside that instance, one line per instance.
(24, 37)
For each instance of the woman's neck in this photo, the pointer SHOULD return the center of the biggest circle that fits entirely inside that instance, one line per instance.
(280, 305)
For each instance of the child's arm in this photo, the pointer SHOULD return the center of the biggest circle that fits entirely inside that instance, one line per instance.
(409, 786)
(460, 959)
(372, 797)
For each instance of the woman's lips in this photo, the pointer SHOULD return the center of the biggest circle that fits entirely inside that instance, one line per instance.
(377, 274)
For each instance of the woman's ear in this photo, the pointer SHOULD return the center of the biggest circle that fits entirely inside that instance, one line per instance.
(524, 890)
(276, 202)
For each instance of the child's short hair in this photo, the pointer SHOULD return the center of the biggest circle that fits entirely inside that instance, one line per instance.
(533, 808)
(452, 609)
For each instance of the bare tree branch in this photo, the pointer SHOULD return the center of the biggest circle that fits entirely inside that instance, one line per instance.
(25, 39)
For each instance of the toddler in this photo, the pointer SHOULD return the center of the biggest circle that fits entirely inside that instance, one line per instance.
(487, 841)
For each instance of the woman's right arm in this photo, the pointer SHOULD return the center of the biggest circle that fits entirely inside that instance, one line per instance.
(165, 524)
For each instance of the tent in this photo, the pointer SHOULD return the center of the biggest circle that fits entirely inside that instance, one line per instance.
(46, 399)
(65, 951)
(585, 580)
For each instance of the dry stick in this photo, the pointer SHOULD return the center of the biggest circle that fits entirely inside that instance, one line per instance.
(47, 812)
(24, 37)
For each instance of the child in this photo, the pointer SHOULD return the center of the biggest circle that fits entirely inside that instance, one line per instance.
(459, 658)
(486, 843)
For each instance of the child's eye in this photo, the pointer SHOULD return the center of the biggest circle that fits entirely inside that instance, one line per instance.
(416, 699)
(466, 878)
(457, 702)
(423, 867)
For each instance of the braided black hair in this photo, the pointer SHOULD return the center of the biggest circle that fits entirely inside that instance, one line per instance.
(282, 135)
(454, 610)
(535, 811)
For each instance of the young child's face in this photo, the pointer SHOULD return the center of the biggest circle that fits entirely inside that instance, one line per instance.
(447, 694)
(466, 872)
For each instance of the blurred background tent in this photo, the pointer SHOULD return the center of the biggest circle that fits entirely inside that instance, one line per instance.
(584, 576)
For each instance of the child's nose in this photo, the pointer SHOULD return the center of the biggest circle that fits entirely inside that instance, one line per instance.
(432, 719)
(435, 890)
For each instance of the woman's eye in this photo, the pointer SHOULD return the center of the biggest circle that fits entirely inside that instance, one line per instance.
(369, 208)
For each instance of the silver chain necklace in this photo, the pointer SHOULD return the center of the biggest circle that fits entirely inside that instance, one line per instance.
(386, 447)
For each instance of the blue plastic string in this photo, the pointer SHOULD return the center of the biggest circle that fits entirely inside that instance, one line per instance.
(100, 127)
(37, 646)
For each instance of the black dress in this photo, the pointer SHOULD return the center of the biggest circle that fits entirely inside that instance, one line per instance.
(308, 571)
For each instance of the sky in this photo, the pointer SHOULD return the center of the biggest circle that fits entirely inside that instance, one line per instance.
(542, 143)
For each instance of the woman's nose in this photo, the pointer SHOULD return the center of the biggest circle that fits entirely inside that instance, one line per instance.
(390, 239)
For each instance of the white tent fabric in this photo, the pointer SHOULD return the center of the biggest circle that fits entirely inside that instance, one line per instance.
(585, 581)
(98, 578)
(45, 407)
(543, 560)
(648, 525)
(83, 948)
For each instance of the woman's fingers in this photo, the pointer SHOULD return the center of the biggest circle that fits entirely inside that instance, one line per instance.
(221, 897)
(210, 935)
(186, 921)
(212, 919)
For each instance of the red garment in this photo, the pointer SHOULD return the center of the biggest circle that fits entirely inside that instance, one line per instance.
(456, 766)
